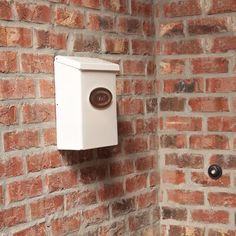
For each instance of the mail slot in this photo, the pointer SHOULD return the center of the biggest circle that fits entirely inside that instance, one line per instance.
(85, 102)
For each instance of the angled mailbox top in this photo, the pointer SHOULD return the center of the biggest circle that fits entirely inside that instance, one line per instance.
(87, 63)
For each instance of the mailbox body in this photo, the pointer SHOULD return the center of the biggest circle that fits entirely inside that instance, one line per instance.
(81, 125)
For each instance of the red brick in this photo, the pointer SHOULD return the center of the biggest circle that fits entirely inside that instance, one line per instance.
(12, 167)
(121, 168)
(116, 5)
(66, 224)
(46, 206)
(123, 87)
(193, 161)
(95, 215)
(5, 10)
(174, 213)
(209, 142)
(51, 39)
(22, 189)
(148, 28)
(109, 191)
(173, 141)
(116, 228)
(171, 29)
(138, 221)
(222, 199)
(87, 3)
(182, 8)
(116, 45)
(8, 115)
(69, 18)
(21, 140)
(172, 104)
(133, 145)
(225, 161)
(151, 68)
(89, 43)
(133, 67)
(128, 106)
(184, 86)
(204, 180)
(93, 173)
(142, 47)
(61, 180)
(209, 104)
(12, 216)
(8, 62)
(17, 88)
(2, 200)
(47, 89)
(210, 216)
(145, 163)
(185, 230)
(39, 230)
(36, 63)
(223, 123)
(209, 65)
(145, 86)
(33, 12)
(123, 206)
(207, 26)
(181, 123)
(221, 232)
(173, 177)
(223, 44)
(154, 179)
(42, 161)
(125, 127)
(13, 37)
(129, 25)
(136, 183)
(147, 199)
(221, 6)
(193, 46)
(141, 8)
(101, 22)
(221, 85)
(49, 136)
(37, 113)
(76, 199)
(146, 126)
(186, 197)
(174, 66)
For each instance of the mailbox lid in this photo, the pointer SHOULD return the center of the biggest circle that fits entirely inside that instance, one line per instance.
(87, 63)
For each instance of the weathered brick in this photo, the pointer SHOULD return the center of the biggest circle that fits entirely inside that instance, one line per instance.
(14, 166)
(129, 25)
(8, 115)
(49, 136)
(121, 168)
(172, 104)
(134, 145)
(172, 29)
(141, 8)
(173, 177)
(38, 229)
(223, 44)
(218, 6)
(13, 37)
(130, 106)
(225, 124)
(117, 46)
(95, 215)
(174, 66)
(147, 199)
(186, 230)
(100, 22)
(173, 141)
(225, 161)
(174, 213)
(5, 10)
(69, 18)
(47, 89)
(135, 183)
(123, 206)
(87, 43)
(133, 67)
(142, 47)
(87, 3)
(109, 191)
(120, 6)
(222, 199)
(138, 221)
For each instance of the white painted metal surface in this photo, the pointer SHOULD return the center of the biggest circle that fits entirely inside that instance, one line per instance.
(79, 124)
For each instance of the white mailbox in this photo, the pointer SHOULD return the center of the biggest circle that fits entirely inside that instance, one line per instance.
(85, 102)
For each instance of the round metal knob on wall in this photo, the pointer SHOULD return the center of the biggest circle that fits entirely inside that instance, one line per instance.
(215, 171)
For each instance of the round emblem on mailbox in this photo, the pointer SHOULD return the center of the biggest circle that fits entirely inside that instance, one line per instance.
(100, 98)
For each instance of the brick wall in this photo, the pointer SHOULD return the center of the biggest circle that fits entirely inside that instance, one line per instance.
(196, 70)
(107, 191)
